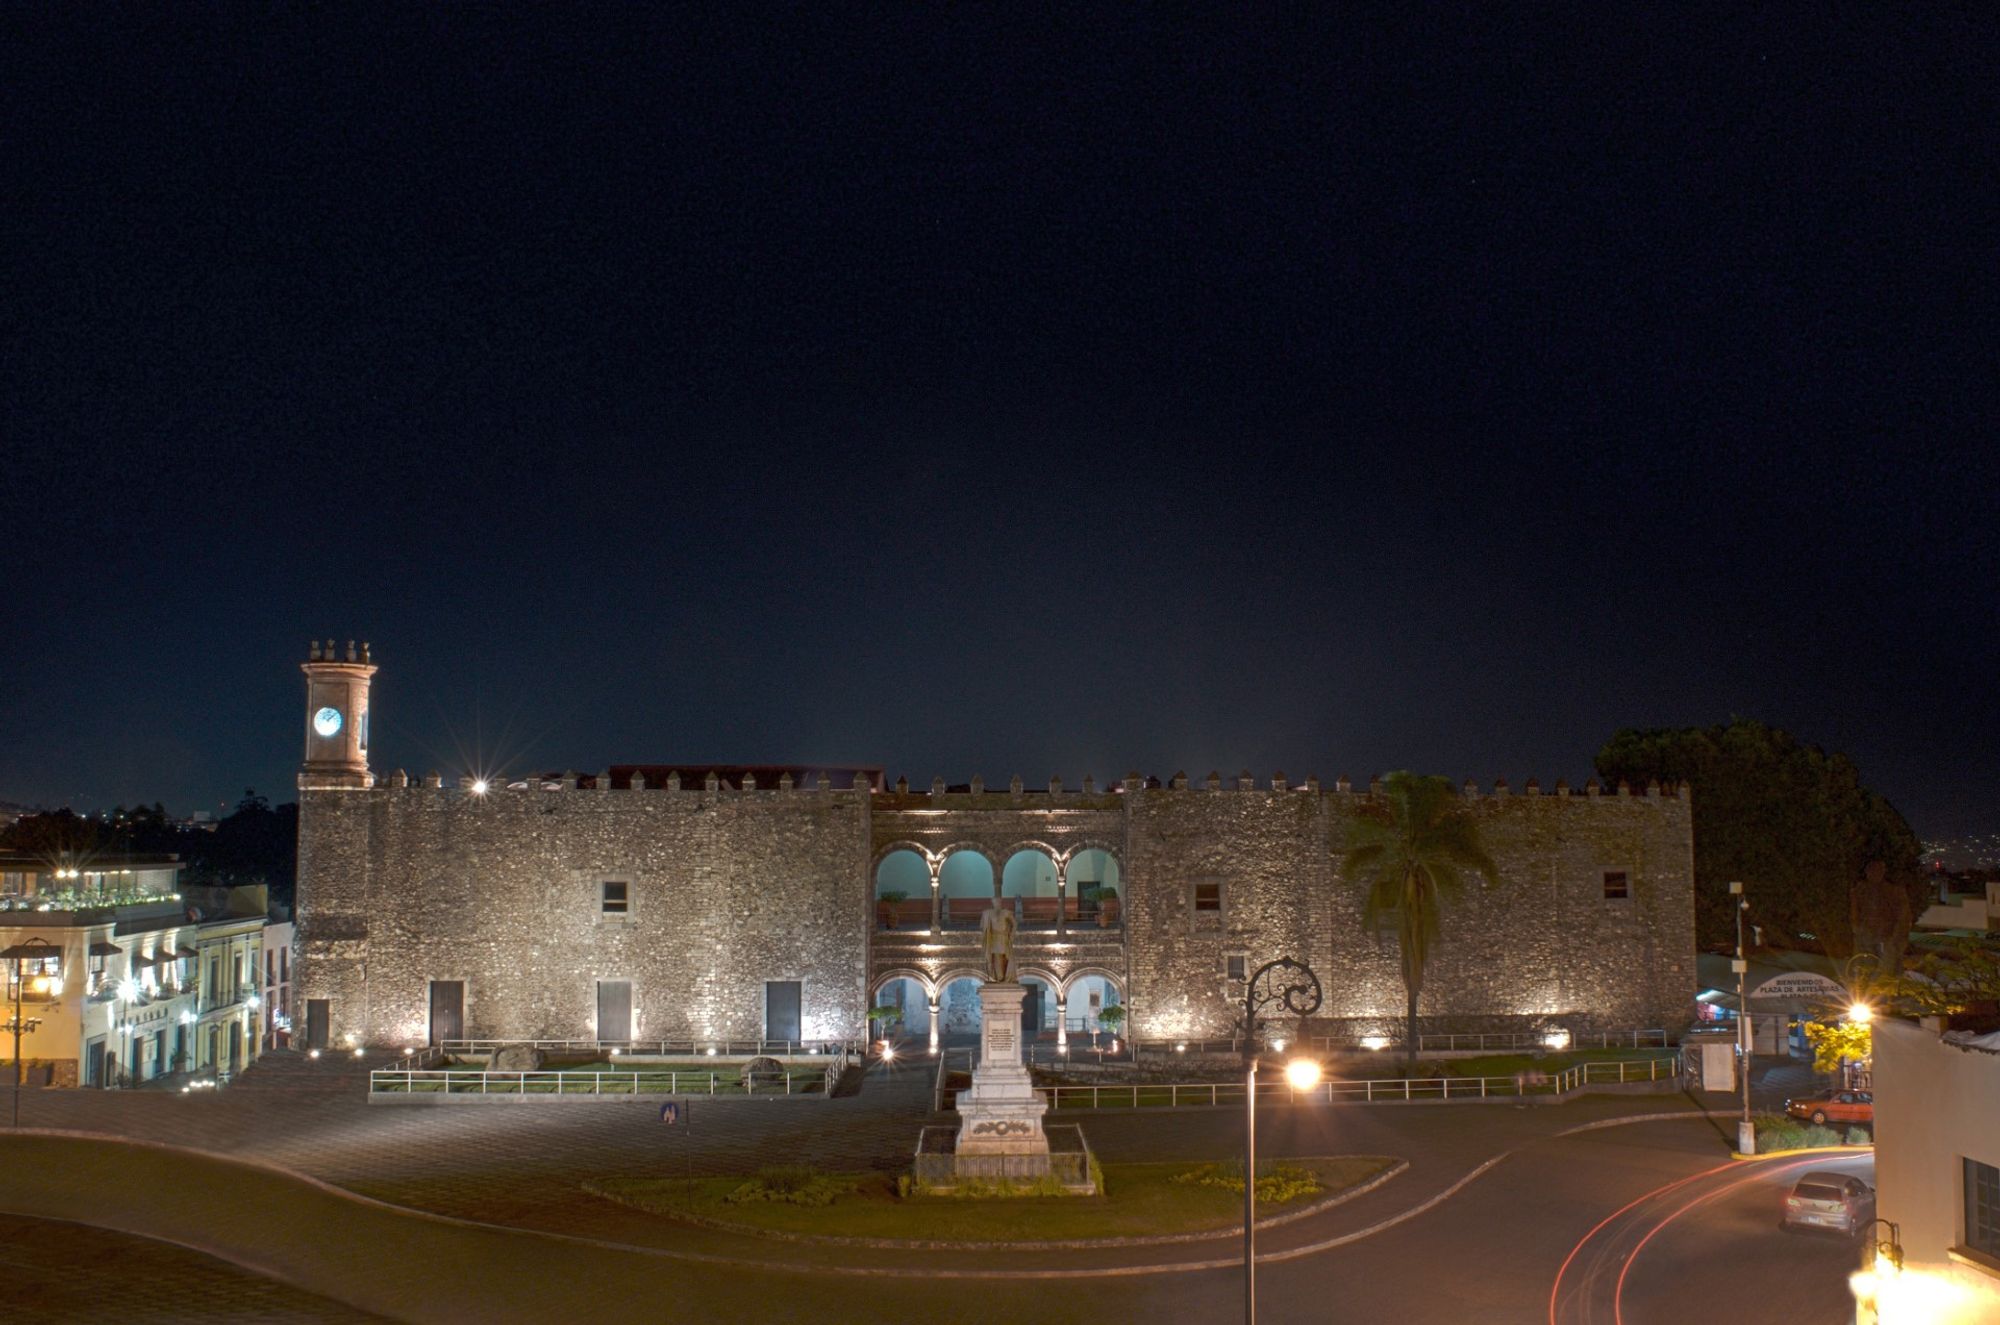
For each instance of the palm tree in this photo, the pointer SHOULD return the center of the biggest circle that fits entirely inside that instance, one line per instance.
(1409, 851)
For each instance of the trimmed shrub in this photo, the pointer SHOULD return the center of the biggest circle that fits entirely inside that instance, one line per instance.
(1280, 1183)
(792, 1185)
(1815, 1137)
(1860, 1136)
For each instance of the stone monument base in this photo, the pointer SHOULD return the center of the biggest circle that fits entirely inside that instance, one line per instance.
(1000, 1137)
(1067, 1162)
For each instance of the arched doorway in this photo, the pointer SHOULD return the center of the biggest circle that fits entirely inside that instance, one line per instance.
(903, 891)
(1097, 896)
(965, 885)
(912, 1003)
(1089, 995)
(1028, 880)
(958, 1007)
(1038, 1009)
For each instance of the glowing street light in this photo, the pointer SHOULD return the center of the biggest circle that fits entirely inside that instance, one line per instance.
(1293, 985)
(36, 950)
(479, 787)
(1860, 1013)
(1302, 1073)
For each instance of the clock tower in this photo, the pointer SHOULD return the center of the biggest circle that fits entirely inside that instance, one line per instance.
(336, 719)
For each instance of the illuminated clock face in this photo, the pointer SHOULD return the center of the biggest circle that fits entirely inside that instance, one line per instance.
(327, 721)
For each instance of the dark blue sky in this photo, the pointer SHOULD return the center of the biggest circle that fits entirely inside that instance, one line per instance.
(989, 393)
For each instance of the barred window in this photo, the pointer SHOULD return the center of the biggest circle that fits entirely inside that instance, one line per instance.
(1238, 967)
(614, 898)
(1616, 886)
(1982, 1208)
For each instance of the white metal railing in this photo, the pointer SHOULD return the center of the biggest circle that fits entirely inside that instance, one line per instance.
(1628, 1039)
(435, 1081)
(1170, 1095)
(662, 1048)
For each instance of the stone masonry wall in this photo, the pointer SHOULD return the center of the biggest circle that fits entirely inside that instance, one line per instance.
(400, 886)
(1543, 942)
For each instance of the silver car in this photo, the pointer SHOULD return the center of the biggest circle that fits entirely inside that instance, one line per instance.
(1827, 1200)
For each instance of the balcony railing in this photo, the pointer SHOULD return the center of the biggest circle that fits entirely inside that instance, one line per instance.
(1037, 914)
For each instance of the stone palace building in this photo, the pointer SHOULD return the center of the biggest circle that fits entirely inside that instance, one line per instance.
(704, 902)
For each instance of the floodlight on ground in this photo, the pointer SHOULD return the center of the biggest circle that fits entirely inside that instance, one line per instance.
(888, 1051)
(1374, 1043)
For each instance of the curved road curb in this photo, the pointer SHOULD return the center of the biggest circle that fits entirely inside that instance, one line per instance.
(237, 1256)
(1396, 1168)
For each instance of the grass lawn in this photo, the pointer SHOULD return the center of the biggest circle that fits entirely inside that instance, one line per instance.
(1137, 1200)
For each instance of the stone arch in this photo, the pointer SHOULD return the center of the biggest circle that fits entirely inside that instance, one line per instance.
(1077, 1005)
(900, 844)
(958, 1001)
(952, 974)
(966, 884)
(911, 994)
(1038, 1008)
(905, 870)
(1042, 973)
(921, 978)
(1104, 973)
(1037, 879)
(1082, 857)
(1048, 849)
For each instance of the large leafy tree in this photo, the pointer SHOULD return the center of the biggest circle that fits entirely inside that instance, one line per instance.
(1794, 824)
(256, 844)
(1409, 851)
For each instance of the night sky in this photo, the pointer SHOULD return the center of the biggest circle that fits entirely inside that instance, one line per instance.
(999, 392)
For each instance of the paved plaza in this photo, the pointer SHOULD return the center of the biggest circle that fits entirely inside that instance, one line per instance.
(517, 1169)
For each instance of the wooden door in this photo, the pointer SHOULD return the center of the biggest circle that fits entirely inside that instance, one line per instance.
(447, 1010)
(781, 1010)
(614, 1011)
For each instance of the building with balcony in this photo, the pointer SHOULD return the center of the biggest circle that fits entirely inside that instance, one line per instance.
(109, 959)
(702, 902)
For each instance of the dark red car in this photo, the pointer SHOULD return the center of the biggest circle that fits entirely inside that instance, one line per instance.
(1839, 1106)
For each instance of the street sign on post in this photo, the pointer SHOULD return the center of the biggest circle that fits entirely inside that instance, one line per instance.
(670, 1112)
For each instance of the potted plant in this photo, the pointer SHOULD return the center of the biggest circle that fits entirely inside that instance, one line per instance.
(1106, 898)
(885, 906)
(1111, 1018)
(880, 1019)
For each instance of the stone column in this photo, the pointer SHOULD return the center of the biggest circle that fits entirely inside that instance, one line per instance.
(933, 1003)
(935, 865)
(1062, 1025)
(1062, 899)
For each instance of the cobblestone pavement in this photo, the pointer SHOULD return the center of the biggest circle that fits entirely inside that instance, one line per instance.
(57, 1271)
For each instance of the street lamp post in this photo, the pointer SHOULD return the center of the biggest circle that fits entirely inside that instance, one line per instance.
(20, 952)
(1292, 984)
(1746, 1131)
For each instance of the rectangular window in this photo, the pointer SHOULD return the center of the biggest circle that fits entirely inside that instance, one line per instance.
(1238, 968)
(614, 898)
(1616, 887)
(1982, 1208)
(1208, 899)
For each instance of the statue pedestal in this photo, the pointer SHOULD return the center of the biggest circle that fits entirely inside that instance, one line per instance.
(1000, 1117)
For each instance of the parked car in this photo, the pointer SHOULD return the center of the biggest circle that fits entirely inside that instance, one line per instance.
(1839, 1106)
(1824, 1199)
